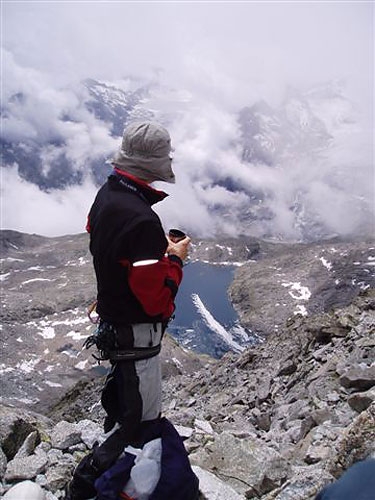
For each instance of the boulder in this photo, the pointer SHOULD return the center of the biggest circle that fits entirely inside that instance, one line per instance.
(64, 435)
(359, 378)
(304, 484)
(360, 401)
(3, 463)
(248, 464)
(27, 490)
(90, 432)
(212, 488)
(58, 475)
(29, 467)
(28, 445)
(16, 425)
(357, 442)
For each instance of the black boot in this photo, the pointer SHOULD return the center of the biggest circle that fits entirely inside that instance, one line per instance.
(82, 486)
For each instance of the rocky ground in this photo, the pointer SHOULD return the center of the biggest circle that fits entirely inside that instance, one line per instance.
(276, 422)
(303, 279)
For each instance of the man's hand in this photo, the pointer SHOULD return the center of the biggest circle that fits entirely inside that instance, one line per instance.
(180, 248)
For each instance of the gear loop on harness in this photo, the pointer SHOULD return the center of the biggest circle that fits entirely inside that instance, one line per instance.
(91, 310)
(106, 341)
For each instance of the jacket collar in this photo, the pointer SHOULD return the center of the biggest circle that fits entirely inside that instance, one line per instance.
(144, 190)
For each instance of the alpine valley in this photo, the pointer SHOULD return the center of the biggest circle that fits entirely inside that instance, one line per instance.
(295, 405)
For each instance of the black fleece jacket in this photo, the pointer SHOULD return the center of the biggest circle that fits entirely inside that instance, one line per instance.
(136, 281)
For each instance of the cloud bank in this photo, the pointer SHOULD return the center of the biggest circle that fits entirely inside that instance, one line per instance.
(207, 61)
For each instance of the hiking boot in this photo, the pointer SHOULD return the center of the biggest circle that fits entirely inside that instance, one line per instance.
(82, 486)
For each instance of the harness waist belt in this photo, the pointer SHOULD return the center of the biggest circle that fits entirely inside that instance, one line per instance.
(134, 354)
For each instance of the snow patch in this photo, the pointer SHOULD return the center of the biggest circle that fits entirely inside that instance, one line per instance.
(81, 365)
(300, 310)
(5, 369)
(224, 263)
(27, 366)
(76, 335)
(325, 263)
(47, 333)
(52, 384)
(11, 259)
(214, 325)
(177, 363)
(303, 291)
(36, 279)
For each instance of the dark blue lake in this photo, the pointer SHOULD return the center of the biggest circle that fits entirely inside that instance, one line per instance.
(205, 320)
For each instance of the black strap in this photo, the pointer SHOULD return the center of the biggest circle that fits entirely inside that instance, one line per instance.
(134, 354)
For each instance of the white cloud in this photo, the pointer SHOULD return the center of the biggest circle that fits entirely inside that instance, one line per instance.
(24, 207)
(210, 60)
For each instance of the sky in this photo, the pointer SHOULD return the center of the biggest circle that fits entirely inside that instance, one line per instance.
(219, 56)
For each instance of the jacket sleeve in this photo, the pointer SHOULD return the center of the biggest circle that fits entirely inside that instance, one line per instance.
(155, 285)
(153, 277)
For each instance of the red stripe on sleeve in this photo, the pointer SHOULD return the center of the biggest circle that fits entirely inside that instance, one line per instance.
(149, 285)
(88, 226)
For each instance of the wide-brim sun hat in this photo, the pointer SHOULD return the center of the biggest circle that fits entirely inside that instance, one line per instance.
(146, 152)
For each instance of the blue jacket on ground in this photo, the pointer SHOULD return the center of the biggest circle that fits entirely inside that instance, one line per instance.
(177, 479)
(357, 483)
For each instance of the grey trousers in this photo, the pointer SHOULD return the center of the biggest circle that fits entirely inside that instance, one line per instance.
(132, 392)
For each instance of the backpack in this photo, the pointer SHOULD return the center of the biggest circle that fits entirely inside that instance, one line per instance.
(177, 479)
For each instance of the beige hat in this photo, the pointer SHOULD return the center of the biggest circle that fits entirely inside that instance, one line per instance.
(145, 152)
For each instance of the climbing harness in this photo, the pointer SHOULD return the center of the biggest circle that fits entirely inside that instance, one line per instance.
(105, 340)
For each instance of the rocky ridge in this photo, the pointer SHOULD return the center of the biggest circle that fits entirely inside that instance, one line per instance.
(276, 423)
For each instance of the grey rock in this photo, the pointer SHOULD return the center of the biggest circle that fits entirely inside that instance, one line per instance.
(51, 496)
(360, 401)
(41, 480)
(184, 432)
(59, 474)
(203, 426)
(77, 447)
(212, 488)
(64, 435)
(316, 453)
(287, 368)
(304, 484)
(360, 379)
(29, 467)
(263, 421)
(54, 456)
(264, 388)
(297, 429)
(28, 446)
(333, 397)
(322, 415)
(356, 442)
(3, 463)
(90, 432)
(246, 462)
(16, 424)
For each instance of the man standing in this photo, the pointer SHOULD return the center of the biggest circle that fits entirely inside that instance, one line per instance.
(138, 271)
